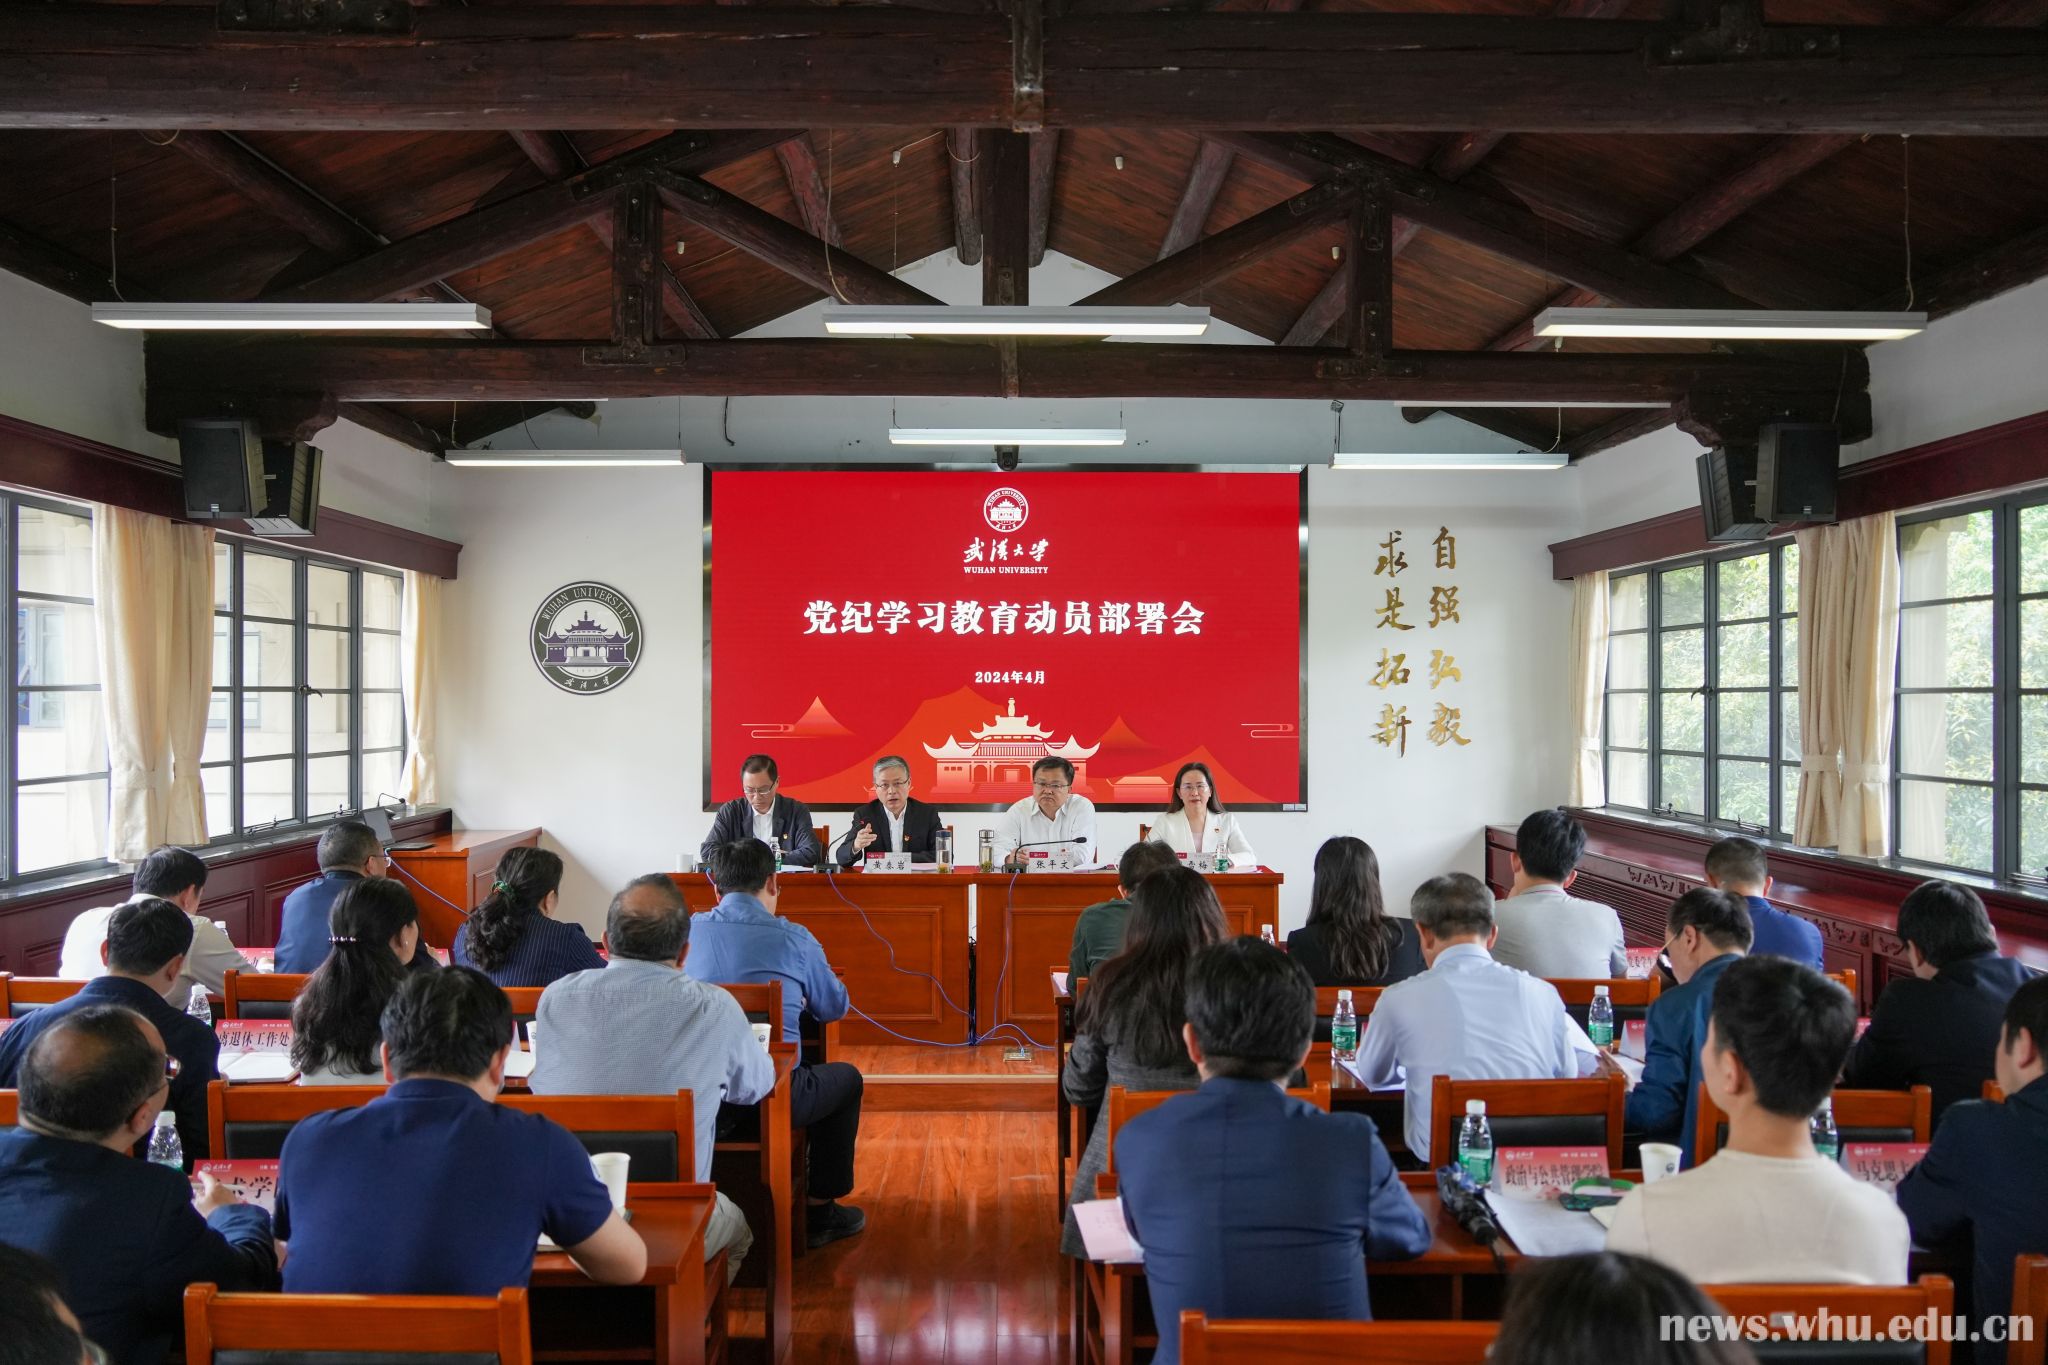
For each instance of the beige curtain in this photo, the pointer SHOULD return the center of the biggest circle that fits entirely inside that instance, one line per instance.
(1848, 651)
(419, 657)
(153, 606)
(1588, 786)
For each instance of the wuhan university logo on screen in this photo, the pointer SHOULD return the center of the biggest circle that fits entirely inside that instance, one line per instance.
(1005, 510)
(585, 638)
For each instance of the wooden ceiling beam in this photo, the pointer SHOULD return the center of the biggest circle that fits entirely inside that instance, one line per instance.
(2010, 265)
(800, 168)
(394, 425)
(1369, 278)
(1045, 161)
(1197, 197)
(1006, 238)
(1494, 225)
(55, 268)
(1321, 314)
(437, 370)
(1500, 421)
(963, 151)
(105, 65)
(836, 273)
(1217, 257)
(1621, 430)
(236, 164)
(551, 153)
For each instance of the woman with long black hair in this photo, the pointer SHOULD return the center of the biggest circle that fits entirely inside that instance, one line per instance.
(1128, 1030)
(373, 931)
(513, 937)
(1350, 939)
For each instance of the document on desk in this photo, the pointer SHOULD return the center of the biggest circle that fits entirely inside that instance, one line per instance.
(249, 1067)
(518, 1064)
(1544, 1227)
(1105, 1234)
(1059, 983)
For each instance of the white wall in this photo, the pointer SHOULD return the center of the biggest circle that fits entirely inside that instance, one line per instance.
(59, 368)
(1972, 369)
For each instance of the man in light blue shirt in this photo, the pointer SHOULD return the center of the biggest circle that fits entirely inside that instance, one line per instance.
(640, 1026)
(742, 940)
(1467, 1017)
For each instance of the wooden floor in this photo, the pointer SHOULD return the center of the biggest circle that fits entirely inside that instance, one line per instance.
(960, 1263)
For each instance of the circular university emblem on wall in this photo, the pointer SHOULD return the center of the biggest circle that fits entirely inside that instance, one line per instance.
(1005, 510)
(585, 638)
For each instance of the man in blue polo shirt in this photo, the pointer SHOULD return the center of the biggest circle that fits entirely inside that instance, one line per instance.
(435, 1188)
(348, 852)
(744, 941)
(1706, 930)
(147, 941)
(1739, 865)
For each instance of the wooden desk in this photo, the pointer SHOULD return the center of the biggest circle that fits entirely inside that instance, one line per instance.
(923, 917)
(565, 1323)
(451, 876)
(1025, 921)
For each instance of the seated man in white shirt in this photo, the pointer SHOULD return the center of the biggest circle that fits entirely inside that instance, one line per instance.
(178, 876)
(1767, 1208)
(1052, 825)
(1467, 1017)
(1544, 930)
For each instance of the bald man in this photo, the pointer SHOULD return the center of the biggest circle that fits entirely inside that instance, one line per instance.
(126, 1235)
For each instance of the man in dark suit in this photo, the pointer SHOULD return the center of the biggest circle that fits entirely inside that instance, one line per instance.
(1939, 1027)
(127, 1236)
(1250, 1203)
(1985, 1179)
(348, 852)
(146, 945)
(1706, 930)
(1739, 865)
(759, 813)
(893, 822)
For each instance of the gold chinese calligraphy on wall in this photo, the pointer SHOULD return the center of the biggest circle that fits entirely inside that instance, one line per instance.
(1446, 722)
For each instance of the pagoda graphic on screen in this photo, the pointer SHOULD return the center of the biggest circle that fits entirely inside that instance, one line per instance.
(996, 763)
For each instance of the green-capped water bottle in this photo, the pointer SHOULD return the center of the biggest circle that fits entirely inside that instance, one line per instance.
(1475, 1143)
(1344, 1029)
(1600, 1020)
(1827, 1139)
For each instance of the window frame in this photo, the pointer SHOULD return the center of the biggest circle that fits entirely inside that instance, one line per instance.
(11, 505)
(2007, 692)
(1711, 754)
(238, 691)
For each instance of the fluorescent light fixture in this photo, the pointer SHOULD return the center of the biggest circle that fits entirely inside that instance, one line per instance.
(1006, 436)
(292, 317)
(1728, 324)
(1033, 321)
(1450, 459)
(564, 459)
(1451, 405)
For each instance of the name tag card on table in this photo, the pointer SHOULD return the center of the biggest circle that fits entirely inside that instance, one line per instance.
(1546, 1172)
(1635, 1039)
(1883, 1164)
(887, 862)
(254, 1050)
(1642, 963)
(255, 1181)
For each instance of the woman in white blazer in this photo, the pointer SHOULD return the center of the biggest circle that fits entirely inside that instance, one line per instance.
(1197, 823)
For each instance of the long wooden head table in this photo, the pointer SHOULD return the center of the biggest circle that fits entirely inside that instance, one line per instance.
(920, 950)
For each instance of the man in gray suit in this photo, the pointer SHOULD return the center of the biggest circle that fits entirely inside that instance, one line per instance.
(1543, 930)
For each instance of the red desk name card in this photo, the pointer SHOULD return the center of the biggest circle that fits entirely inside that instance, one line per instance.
(1642, 963)
(1547, 1172)
(255, 1181)
(1635, 1039)
(1883, 1164)
(255, 1035)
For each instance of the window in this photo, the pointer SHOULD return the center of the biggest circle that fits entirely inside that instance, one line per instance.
(306, 720)
(57, 761)
(1971, 733)
(1702, 690)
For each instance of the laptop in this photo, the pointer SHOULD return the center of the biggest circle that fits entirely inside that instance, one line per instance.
(379, 821)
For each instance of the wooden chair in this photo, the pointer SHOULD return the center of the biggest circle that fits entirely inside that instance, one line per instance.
(1575, 1113)
(24, 995)
(1994, 1092)
(762, 1002)
(10, 1108)
(1124, 1105)
(2029, 1302)
(1860, 1116)
(249, 1122)
(657, 1131)
(754, 1168)
(1877, 1304)
(1364, 999)
(1071, 1120)
(823, 834)
(525, 1004)
(353, 1325)
(259, 995)
(1846, 979)
(1631, 996)
(1144, 833)
(1333, 1343)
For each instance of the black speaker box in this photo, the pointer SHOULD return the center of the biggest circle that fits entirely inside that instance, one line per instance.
(222, 467)
(291, 478)
(1728, 496)
(1796, 465)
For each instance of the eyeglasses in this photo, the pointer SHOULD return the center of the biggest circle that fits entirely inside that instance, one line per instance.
(759, 791)
(892, 786)
(1048, 786)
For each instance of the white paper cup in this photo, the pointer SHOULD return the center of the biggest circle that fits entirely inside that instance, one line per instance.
(1660, 1160)
(764, 1034)
(611, 1168)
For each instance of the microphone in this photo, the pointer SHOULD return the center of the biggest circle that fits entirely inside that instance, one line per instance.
(1464, 1201)
(1011, 856)
(855, 828)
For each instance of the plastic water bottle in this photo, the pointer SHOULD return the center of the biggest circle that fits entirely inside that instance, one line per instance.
(1827, 1140)
(1344, 1029)
(778, 853)
(1475, 1143)
(1266, 935)
(164, 1147)
(1600, 1020)
(198, 1006)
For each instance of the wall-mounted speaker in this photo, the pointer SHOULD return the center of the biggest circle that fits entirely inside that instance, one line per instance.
(1796, 467)
(291, 480)
(221, 465)
(1728, 496)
